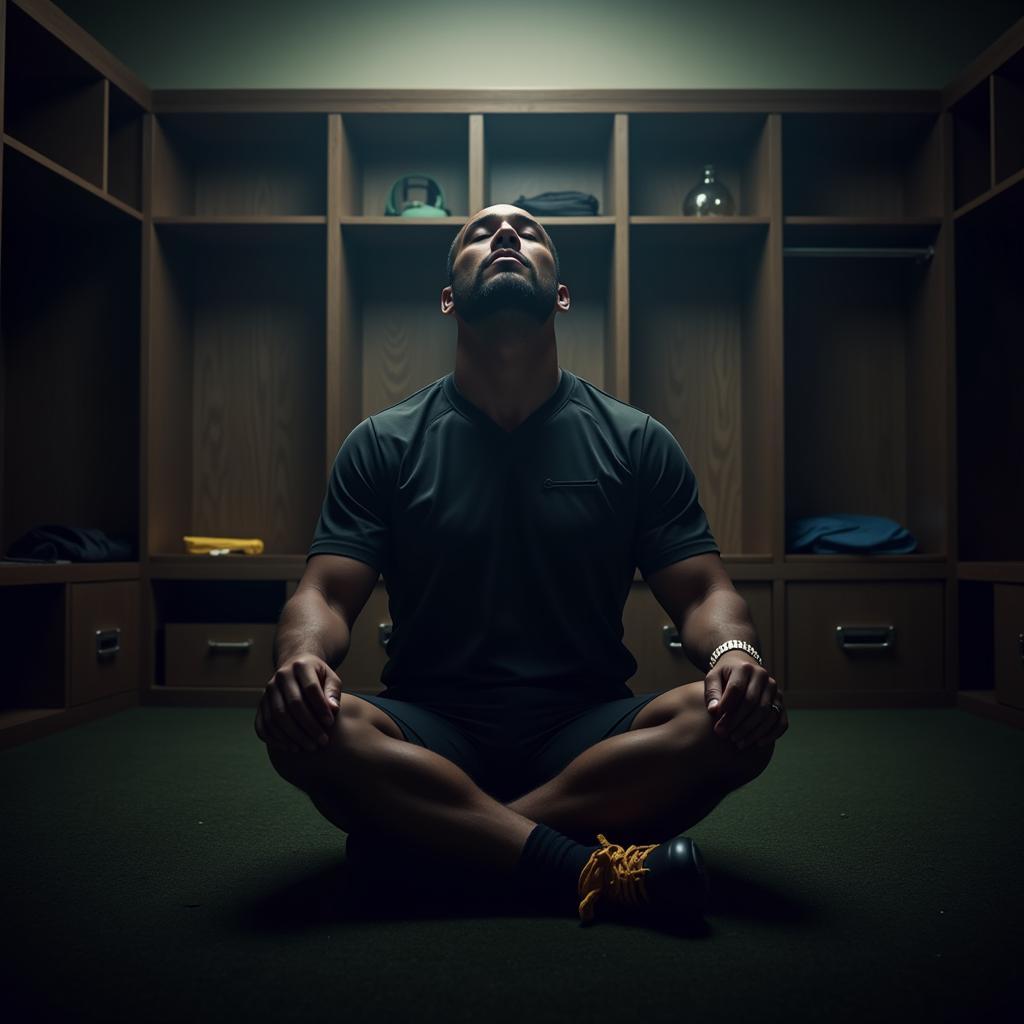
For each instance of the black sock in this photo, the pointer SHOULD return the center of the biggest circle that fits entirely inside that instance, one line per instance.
(550, 867)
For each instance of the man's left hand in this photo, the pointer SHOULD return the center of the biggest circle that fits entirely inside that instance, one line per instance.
(745, 694)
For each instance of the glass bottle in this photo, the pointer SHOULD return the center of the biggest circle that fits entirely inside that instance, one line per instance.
(708, 199)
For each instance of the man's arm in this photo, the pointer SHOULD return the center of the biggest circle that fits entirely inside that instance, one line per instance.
(318, 617)
(701, 600)
(739, 693)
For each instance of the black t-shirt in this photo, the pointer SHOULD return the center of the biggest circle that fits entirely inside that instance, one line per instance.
(508, 555)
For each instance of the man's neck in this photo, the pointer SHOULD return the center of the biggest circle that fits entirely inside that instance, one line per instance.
(507, 382)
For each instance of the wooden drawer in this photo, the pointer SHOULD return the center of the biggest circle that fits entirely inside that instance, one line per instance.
(1008, 640)
(858, 636)
(647, 627)
(104, 639)
(219, 654)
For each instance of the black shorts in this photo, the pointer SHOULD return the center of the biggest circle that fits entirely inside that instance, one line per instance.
(509, 739)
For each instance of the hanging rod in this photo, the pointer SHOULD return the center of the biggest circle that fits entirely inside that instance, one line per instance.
(853, 250)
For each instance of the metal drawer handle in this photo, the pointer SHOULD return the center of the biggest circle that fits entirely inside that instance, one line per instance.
(866, 638)
(1020, 645)
(670, 636)
(230, 645)
(108, 642)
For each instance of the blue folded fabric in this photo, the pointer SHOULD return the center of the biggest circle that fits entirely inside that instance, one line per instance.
(854, 534)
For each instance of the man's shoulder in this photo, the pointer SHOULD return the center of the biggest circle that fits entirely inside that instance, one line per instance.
(404, 419)
(617, 415)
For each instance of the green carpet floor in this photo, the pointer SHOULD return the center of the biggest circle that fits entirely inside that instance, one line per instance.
(155, 868)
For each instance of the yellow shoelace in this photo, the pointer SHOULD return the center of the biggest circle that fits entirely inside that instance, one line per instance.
(615, 872)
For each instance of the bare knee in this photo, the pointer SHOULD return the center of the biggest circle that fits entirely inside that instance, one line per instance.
(695, 726)
(355, 722)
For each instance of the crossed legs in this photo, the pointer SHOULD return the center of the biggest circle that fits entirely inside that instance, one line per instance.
(645, 785)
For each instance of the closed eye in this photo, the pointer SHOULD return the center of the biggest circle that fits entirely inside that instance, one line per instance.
(476, 238)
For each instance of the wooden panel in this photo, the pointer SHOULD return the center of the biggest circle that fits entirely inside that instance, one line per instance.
(695, 324)
(219, 654)
(989, 371)
(1008, 639)
(33, 630)
(169, 391)
(660, 667)
(616, 362)
(258, 403)
(406, 341)
(972, 145)
(477, 162)
(109, 664)
(124, 128)
(586, 265)
(366, 658)
(816, 661)
(1008, 116)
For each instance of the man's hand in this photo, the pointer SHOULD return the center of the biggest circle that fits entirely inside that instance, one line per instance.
(303, 692)
(739, 694)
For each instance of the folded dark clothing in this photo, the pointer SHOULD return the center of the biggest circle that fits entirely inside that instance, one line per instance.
(74, 543)
(848, 534)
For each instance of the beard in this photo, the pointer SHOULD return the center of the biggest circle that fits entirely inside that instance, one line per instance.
(501, 292)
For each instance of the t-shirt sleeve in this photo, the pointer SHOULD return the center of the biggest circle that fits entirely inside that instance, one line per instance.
(354, 518)
(671, 525)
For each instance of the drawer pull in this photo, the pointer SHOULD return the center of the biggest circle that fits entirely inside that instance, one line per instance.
(230, 645)
(1020, 645)
(108, 642)
(670, 636)
(865, 638)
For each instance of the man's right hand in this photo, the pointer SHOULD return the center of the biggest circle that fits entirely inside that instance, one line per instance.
(298, 704)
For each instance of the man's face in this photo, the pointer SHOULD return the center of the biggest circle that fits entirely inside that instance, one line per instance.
(483, 285)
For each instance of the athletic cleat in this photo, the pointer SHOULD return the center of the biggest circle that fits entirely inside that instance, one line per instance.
(665, 878)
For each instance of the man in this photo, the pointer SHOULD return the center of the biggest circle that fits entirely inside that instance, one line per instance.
(507, 505)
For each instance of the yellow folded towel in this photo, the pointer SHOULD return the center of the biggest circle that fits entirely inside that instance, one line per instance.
(222, 545)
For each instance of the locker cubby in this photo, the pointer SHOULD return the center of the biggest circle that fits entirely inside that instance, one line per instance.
(989, 371)
(70, 367)
(1008, 116)
(668, 153)
(124, 148)
(527, 154)
(378, 149)
(53, 98)
(865, 399)
(975, 614)
(237, 393)
(700, 363)
(33, 629)
(244, 164)
(972, 142)
(874, 165)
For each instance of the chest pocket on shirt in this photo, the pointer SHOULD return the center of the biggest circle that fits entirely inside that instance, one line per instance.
(574, 517)
(570, 483)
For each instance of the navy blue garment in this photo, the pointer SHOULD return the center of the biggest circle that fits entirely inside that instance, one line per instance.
(849, 534)
(508, 555)
(57, 541)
